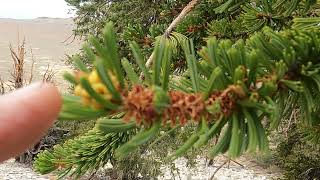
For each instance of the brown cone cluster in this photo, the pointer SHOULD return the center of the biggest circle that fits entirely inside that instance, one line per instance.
(138, 104)
(226, 102)
(226, 99)
(184, 106)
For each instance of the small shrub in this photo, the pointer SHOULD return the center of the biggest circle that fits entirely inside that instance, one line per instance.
(299, 158)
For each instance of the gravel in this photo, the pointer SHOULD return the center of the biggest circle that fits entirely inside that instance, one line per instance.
(244, 169)
(227, 171)
(11, 170)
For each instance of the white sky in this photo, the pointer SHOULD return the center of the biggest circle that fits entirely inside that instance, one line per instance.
(28, 9)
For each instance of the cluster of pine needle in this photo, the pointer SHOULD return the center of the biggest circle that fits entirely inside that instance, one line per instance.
(234, 90)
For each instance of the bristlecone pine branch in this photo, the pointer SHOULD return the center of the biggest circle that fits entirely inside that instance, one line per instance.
(227, 93)
(240, 84)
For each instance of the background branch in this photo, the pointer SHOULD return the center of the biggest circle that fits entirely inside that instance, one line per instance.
(174, 23)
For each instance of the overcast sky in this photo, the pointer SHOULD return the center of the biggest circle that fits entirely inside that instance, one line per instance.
(28, 9)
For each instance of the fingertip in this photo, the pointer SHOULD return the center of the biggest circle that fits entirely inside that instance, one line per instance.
(25, 117)
(48, 96)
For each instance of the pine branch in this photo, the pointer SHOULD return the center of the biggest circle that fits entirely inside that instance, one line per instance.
(236, 86)
(226, 93)
(83, 154)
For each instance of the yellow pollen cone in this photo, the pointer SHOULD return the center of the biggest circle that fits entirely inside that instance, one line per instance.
(100, 88)
(78, 90)
(94, 77)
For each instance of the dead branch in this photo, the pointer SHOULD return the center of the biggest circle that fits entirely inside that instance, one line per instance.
(48, 75)
(32, 66)
(72, 37)
(18, 64)
(234, 161)
(173, 24)
(291, 120)
(2, 91)
(178, 19)
(215, 172)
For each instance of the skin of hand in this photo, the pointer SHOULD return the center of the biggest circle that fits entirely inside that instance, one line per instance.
(25, 116)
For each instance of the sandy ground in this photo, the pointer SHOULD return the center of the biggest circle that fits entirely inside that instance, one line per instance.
(246, 170)
(243, 168)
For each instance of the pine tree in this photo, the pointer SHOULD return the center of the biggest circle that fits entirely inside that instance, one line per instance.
(249, 64)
